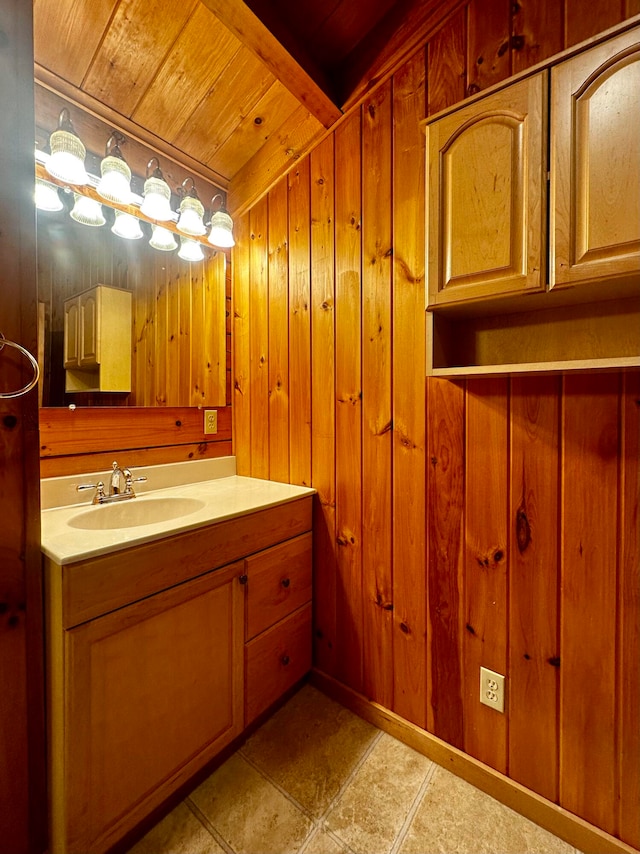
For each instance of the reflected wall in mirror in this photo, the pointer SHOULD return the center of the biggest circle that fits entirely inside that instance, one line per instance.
(179, 319)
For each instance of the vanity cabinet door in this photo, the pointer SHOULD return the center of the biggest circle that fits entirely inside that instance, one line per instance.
(487, 196)
(154, 691)
(595, 163)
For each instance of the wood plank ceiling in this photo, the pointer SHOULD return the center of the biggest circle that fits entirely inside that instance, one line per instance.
(234, 92)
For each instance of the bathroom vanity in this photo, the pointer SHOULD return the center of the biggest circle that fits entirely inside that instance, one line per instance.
(165, 639)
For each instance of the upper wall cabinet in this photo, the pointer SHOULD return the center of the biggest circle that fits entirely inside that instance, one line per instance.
(521, 279)
(97, 340)
(486, 209)
(595, 163)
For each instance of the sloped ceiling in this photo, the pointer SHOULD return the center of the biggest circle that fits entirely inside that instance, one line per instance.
(232, 91)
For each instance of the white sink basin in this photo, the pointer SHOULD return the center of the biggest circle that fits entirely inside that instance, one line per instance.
(135, 512)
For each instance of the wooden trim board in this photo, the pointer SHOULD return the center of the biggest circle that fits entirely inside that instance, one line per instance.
(574, 830)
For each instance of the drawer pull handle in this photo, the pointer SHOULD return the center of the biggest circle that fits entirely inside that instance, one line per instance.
(243, 579)
(285, 582)
(285, 660)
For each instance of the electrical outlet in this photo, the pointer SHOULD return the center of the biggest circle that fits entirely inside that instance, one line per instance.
(492, 689)
(211, 421)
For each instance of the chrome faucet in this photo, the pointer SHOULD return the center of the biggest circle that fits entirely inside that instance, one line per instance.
(120, 486)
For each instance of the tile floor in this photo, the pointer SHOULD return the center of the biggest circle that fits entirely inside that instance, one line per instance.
(316, 779)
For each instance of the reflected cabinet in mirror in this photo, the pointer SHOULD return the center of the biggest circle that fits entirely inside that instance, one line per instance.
(165, 328)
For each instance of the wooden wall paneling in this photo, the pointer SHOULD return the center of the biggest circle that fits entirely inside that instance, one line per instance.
(22, 736)
(536, 29)
(242, 346)
(533, 584)
(486, 562)
(259, 343)
(349, 605)
(447, 63)
(151, 456)
(445, 550)
(182, 394)
(299, 230)
(323, 403)
(391, 42)
(228, 311)
(198, 300)
(589, 516)
(628, 685)
(213, 356)
(278, 334)
(583, 20)
(408, 384)
(489, 57)
(172, 349)
(376, 390)
(631, 8)
(163, 277)
(91, 430)
(145, 292)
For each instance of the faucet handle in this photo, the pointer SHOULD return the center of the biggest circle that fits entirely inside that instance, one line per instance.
(99, 488)
(130, 480)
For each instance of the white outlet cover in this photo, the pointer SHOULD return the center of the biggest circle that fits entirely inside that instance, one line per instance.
(492, 689)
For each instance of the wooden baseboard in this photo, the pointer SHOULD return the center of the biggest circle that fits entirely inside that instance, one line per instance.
(574, 830)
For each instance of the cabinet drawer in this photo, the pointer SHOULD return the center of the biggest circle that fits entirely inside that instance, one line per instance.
(279, 583)
(276, 660)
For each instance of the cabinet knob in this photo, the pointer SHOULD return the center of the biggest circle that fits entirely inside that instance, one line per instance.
(243, 579)
(285, 660)
(285, 582)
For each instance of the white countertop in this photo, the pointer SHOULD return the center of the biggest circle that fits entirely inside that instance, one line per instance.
(223, 496)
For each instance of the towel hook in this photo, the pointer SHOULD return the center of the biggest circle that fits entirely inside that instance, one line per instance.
(34, 365)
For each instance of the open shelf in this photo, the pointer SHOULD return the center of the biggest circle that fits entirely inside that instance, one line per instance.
(597, 335)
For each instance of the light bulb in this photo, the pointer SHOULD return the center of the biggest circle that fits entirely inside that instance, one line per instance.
(190, 250)
(115, 184)
(126, 226)
(191, 213)
(221, 233)
(87, 211)
(162, 239)
(47, 198)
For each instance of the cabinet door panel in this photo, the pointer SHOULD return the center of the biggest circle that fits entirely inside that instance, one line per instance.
(595, 195)
(89, 313)
(71, 327)
(155, 689)
(486, 196)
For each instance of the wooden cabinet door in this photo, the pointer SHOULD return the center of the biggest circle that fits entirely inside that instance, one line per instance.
(595, 163)
(71, 333)
(89, 328)
(486, 205)
(155, 690)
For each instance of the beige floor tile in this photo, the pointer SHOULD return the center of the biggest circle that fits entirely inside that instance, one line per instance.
(371, 811)
(310, 747)
(178, 833)
(322, 843)
(248, 812)
(456, 818)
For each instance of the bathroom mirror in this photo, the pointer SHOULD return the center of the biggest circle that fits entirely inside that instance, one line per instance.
(178, 325)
